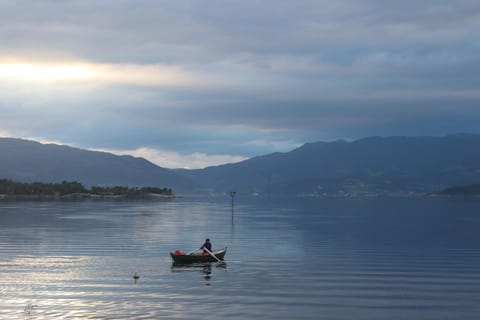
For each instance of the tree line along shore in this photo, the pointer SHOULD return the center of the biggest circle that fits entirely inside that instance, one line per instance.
(75, 190)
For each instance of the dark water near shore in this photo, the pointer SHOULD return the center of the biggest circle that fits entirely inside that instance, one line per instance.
(287, 259)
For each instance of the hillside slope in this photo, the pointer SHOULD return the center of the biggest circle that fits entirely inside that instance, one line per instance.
(365, 166)
(29, 161)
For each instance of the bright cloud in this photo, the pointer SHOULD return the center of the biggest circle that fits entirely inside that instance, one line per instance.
(173, 159)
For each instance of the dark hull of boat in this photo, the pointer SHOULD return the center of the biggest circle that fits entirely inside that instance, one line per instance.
(197, 258)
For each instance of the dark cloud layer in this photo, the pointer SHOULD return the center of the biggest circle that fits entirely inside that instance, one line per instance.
(241, 77)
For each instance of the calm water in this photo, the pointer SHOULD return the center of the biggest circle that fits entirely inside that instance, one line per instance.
(287, 259)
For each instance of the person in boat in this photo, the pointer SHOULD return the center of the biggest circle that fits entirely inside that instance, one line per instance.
(207, 245)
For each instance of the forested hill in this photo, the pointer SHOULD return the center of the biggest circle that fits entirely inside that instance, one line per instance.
(29, 161)
(369, 166)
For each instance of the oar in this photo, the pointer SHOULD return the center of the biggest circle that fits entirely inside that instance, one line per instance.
(192, 251)
(212, 254)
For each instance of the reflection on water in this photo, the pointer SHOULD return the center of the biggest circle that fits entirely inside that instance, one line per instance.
(204, 268)
(287, 259)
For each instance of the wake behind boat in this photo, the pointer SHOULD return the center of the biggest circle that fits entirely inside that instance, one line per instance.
(180, 257)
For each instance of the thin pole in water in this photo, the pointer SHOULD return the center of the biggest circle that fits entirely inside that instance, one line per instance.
(232, 195)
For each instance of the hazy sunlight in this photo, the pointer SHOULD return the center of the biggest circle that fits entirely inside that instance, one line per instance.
(122, 74)
(45, 72)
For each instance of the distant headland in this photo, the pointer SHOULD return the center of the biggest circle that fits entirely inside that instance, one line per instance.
(12, 190)
(470, 190)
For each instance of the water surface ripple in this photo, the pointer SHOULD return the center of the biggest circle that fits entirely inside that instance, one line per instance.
(287, 259)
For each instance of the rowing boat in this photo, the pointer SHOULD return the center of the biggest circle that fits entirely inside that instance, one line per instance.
(182, 258)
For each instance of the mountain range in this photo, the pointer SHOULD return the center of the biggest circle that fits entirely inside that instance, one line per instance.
(30, 161)
(369, 166)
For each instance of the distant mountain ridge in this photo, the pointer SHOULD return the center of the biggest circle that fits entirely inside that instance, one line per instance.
(30, 161)
(369, 166)
(364, 167)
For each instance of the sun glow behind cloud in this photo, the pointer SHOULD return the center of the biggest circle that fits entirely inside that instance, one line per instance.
(98, 73)
(28, 71)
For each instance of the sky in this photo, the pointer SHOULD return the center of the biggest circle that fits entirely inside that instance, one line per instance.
(193, 83)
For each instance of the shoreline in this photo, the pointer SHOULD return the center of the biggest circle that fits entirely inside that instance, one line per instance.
(84, 196)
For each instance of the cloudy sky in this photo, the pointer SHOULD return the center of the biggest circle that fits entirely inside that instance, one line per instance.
(194, 83)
